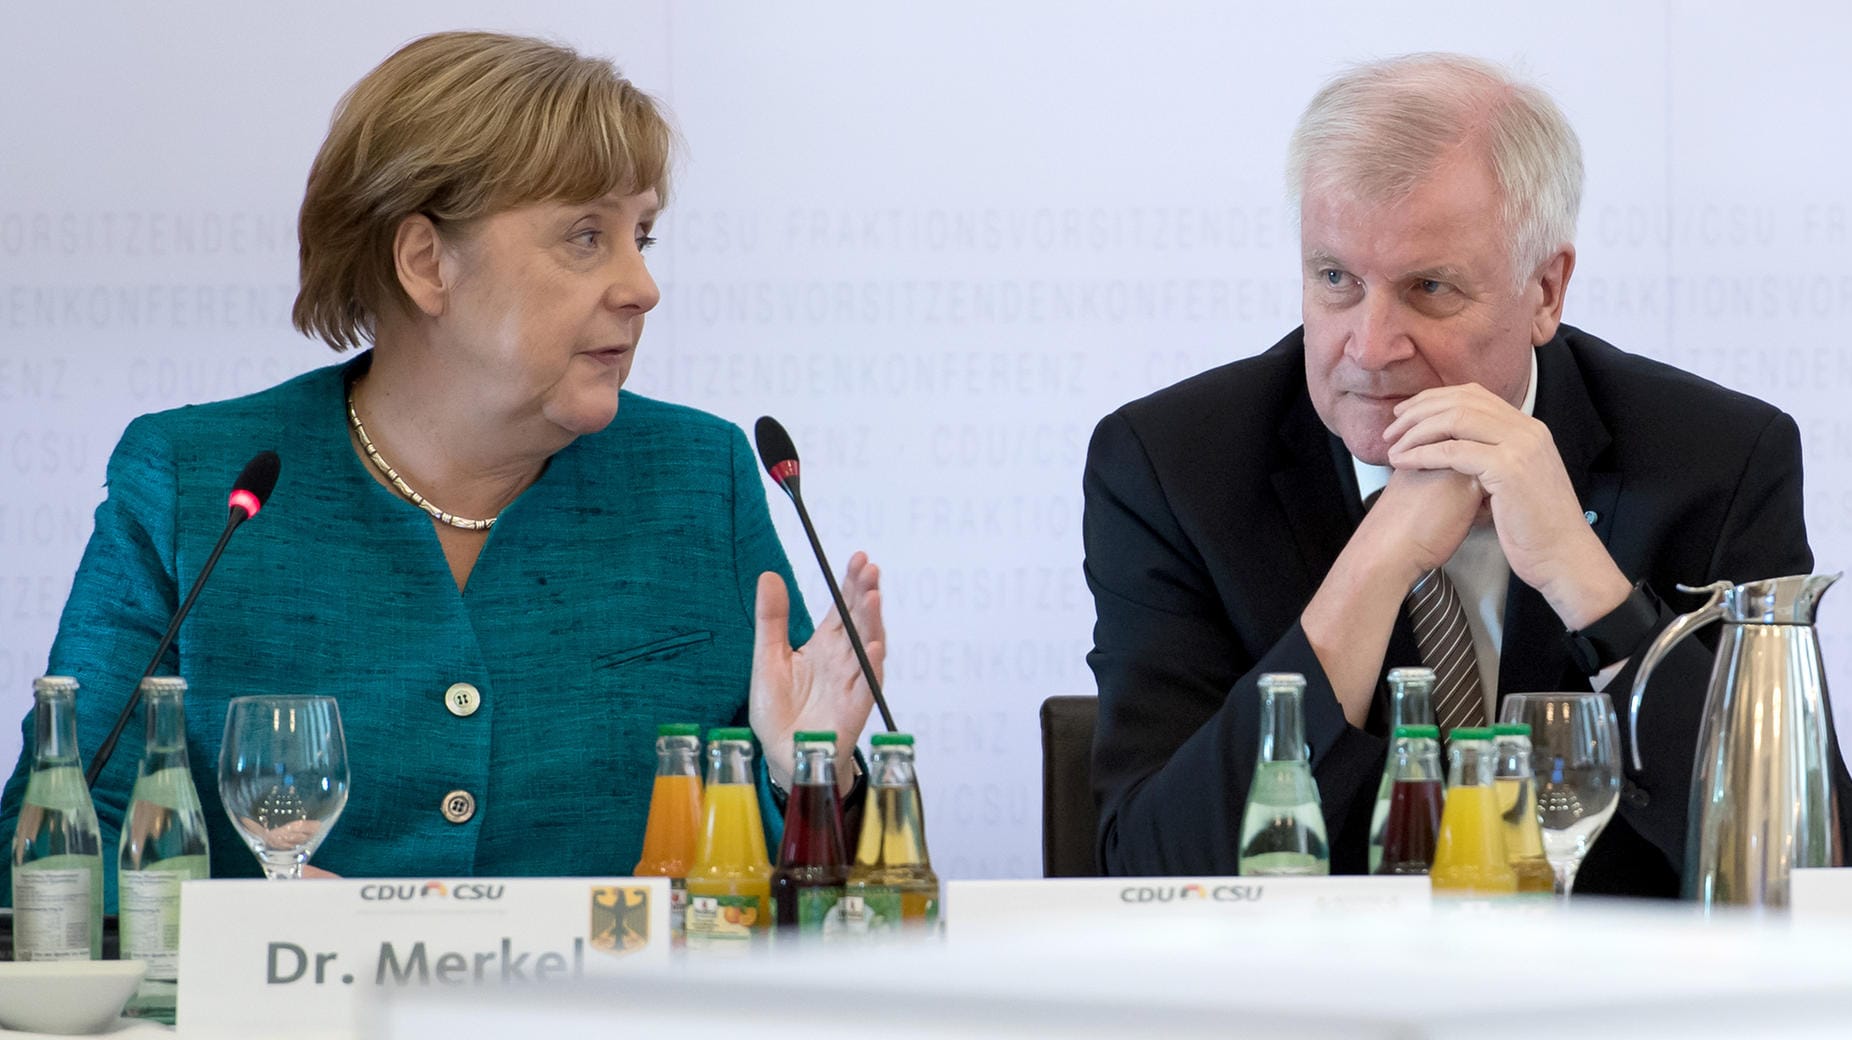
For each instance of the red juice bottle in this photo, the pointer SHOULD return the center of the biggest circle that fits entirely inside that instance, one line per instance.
(1411, 703)
(813, 860)
(1413, 826)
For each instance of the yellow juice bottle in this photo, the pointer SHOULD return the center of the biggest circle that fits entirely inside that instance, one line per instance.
(730, 884)
(672, 837)
(1470, 857)
(1517, 807)
(892, 886)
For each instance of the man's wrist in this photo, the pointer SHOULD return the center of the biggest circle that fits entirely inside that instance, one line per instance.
(1348, 622)
(1616, 635)
(1580, 603)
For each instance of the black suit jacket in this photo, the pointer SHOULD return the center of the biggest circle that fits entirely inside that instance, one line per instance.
(1215, 507)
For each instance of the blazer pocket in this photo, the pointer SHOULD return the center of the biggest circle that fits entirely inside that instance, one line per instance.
(657, 650)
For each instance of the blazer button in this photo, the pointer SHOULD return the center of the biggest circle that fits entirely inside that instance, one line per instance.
(1634, 796)
(459, 806)
(462, 699)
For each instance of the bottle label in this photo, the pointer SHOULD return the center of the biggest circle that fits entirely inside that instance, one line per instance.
(51, 914)
(814, 906)
(678, 909)
(873, 909)
(816, 910)
(885, 908)
(722, 922)
(150, 901)
(855, 916)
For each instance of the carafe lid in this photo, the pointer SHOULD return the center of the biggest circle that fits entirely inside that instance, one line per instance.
(1776, 601)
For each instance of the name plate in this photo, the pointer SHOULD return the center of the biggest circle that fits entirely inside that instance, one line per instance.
(297, 958)
(986, 906)
(1820, 892)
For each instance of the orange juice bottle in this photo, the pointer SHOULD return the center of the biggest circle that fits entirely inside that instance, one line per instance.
(1470, 858)
(1517, 807)
(672, 836)
(730, 884)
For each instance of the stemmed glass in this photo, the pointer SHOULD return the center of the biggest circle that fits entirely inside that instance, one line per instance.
(1575, 754)
(283, 776)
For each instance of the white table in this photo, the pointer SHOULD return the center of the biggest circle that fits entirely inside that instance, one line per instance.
(1623, 969)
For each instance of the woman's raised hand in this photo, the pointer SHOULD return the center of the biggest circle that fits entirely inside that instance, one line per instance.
(820, 685)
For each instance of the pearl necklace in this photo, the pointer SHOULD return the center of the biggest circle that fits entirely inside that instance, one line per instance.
(360, 431)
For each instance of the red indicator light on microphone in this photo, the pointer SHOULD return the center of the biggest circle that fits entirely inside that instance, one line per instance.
(783, 471)
(245, 500)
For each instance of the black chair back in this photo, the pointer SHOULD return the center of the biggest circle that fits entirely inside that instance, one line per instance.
(1070, 814)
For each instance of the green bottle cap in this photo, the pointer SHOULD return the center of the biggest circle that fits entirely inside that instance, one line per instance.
(1511, 729)
(891, 740)
(1471, 733)
(729, 733)
(1430, 732)
(678, 729)
(814, 736)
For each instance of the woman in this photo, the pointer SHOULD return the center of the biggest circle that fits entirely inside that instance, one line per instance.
(507, 571)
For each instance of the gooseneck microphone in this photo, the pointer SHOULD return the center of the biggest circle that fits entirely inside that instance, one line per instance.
(248, 495)
(780, 458)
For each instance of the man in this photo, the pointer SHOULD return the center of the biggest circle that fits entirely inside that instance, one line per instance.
(1549, 482)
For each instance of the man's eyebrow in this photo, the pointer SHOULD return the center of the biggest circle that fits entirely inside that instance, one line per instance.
(1443, 273)
(1319, 259)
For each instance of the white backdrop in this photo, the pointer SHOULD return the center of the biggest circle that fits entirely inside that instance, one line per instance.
(939, 242)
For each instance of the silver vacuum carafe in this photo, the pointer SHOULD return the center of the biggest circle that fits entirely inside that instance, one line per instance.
(1761, 788)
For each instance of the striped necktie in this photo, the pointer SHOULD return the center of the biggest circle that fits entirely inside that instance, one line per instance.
(1447, 647)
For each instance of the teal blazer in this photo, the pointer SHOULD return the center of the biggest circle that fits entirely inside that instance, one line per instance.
(614, 595)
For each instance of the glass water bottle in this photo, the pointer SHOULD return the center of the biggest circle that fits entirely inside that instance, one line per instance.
(57, 849)
(1283, 827)
(163, 843)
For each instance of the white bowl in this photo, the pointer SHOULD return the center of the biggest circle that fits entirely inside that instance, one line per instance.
(67, 997)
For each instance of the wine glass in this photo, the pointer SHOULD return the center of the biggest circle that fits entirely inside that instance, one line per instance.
(1575, 755)
(283, 776)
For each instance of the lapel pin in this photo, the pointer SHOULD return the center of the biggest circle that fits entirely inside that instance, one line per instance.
(1591, 516)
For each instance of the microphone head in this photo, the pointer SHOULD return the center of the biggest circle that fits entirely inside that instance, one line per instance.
(777, 452)
(253, 486)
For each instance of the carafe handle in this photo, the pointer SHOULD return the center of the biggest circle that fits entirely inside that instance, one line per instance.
(1683, 626)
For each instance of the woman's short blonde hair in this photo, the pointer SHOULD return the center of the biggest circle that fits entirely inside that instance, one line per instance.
(457, 126)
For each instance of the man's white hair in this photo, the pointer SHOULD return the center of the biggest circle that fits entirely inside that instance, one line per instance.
(1378, 130)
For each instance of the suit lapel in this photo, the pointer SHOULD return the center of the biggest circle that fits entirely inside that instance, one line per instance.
(1535, 656)
(1319, 498)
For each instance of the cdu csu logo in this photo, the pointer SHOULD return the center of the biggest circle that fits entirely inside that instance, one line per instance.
(412, 891)
(1138, 894)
